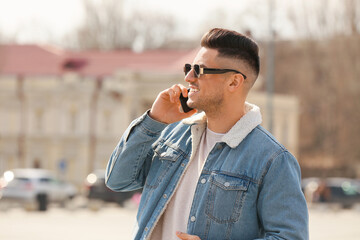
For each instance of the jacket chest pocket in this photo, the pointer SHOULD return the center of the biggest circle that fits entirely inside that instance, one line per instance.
(225, 197)
(163, 160)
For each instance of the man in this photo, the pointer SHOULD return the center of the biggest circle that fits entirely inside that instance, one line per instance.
(217, 174)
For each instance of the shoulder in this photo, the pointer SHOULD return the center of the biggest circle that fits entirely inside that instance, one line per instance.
(278, 159)
(264, 142)
(270, 150)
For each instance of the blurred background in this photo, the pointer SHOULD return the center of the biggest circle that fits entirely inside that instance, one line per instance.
(75, 73)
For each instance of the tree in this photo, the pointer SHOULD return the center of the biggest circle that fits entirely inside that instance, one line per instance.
(325, 18)
(323, 71)
(107, 27)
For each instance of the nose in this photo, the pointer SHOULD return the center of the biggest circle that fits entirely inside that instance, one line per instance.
(190, 76)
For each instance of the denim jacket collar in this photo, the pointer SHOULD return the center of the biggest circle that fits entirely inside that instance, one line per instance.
(240, 130)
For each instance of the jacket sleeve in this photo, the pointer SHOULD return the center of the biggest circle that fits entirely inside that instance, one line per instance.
(131, 160)
(282, 207)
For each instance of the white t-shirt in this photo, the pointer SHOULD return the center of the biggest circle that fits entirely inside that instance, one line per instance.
(176, 215)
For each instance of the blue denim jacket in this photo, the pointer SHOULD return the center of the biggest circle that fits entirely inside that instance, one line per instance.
(252, 188)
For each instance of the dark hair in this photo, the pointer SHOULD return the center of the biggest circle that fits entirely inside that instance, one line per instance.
(234, 45)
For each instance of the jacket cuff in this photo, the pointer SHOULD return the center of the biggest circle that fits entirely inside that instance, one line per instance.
(151, 124)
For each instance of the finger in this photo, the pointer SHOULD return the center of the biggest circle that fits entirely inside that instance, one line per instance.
(184, 91)
(172, 95)
(176, 93)
(185, 236)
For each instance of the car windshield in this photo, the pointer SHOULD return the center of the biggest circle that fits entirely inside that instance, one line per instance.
(22, 179)
(45, 180)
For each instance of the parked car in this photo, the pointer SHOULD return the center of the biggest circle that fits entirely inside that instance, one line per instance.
(35, 187)
(97, 190)
(343, 191)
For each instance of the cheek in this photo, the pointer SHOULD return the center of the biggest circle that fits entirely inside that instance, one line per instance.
(216, 88)
(211, 85)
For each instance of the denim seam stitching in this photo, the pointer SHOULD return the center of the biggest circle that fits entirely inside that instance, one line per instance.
(269, 163)
(241, 176)
(228, 231)
(270, 137)
(137, 163)
(207, 228)
(210, 206)
(180, 153)
(147, 131)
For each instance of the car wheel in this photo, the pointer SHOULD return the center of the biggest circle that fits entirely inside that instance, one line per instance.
(42, 201)
(95, 204)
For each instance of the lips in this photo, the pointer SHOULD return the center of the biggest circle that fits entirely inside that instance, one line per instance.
(193, 88)
(193, 91)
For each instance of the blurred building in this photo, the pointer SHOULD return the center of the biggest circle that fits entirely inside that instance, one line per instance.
(66, 111)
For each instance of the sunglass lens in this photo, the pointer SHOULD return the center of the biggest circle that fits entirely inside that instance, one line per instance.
(187, 69)
(197, 70)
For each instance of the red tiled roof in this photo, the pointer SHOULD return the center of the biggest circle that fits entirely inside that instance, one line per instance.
(45, 60)
(29, 60)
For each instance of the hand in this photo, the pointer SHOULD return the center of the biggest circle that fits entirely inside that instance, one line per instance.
(167, 106)
(185, 236)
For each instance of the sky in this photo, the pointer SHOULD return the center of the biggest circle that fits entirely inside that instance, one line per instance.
(38, 19)
(49, 20)
(41, 20)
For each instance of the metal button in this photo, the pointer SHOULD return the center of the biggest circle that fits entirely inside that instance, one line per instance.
(227, 184)
(203, 180)
(146, 229)
(183, 164)
(193, 218)
(165, 196)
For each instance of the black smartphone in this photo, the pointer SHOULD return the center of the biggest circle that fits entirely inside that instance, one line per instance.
(183, 101)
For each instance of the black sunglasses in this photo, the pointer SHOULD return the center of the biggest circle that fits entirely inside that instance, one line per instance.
(198, 71)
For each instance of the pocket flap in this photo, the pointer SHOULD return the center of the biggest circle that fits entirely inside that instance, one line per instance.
(165, 152)
(229, 182)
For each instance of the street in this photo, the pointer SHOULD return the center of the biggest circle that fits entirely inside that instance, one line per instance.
(113, 222)
(85, 223)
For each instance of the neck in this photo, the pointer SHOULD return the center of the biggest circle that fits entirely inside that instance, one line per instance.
(222, 121)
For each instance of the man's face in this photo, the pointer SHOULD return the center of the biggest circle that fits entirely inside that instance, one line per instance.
(207, 91)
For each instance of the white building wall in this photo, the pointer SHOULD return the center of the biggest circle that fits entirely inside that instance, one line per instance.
(54, 118)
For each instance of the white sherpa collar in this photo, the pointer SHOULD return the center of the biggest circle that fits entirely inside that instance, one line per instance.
(240, 130)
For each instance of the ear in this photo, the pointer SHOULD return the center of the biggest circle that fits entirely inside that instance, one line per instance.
(236, 82)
